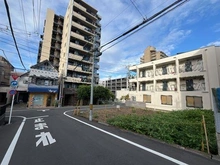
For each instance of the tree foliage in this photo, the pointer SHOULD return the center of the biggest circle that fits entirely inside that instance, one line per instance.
(100, 93)
(83, 92)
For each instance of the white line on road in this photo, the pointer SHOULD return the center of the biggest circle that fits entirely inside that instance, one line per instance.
(37, 117)
(43, 110)
(11, 148)
(130, 142)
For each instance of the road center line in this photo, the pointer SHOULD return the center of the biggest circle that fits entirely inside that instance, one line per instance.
(130, 142)
(11, 148)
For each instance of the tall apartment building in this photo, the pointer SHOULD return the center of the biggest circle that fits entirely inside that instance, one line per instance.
(116, 84)
(50, 46)
(177, 82)
(150, 54)
(5, 74)
(71, 54)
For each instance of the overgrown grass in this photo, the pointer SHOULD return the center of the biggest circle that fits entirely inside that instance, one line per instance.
(178, 127)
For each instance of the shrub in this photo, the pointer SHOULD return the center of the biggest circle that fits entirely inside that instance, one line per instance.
(180, 127)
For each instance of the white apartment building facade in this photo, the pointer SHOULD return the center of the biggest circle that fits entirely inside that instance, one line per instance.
(176, 82)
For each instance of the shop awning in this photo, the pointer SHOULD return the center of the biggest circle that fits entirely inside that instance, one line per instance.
(46, 89)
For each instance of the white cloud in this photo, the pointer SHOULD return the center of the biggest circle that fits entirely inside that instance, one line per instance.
(166, 33)
(215, 43)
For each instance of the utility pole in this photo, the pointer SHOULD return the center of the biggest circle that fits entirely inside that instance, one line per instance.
(60, 92)
(96, 53)
(91, 93)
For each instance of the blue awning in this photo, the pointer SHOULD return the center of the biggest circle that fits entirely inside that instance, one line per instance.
(46, 89)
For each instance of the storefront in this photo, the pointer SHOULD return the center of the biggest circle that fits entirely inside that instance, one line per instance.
(42, 96)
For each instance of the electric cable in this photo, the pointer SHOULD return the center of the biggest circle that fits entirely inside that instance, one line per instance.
(137, 9)
(9, 19)
(148, 21)
(143, 22)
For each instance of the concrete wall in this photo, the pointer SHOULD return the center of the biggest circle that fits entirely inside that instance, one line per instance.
(135, 104)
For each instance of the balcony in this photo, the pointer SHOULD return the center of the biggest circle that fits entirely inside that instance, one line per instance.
(98, 16)
(79, 6)
(83, 9)
(147, 87)
(78, 36)
(133, 78)
(194, 84)
(97, 58)
(166, 85)
(79, 47)
(98, 24)
(96, 66)
(79, 16)
(98, 31)
(73, 79)
(166, 72)
(75, 57)
(146, 75)
(74, 68)
(83, 28)
(191, 68)
(84, 19)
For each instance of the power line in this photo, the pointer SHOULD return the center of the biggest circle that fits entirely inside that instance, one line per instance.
(137, 9)
(9, 19)
(150, 19)
(39, 17)
(27, 41)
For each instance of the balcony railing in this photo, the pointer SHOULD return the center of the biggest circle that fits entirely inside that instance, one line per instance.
(75, 57)
(195, 66)
(169, 88)
(200, 86)
(74, 68)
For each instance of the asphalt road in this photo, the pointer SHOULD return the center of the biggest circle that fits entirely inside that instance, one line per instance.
(52, 137)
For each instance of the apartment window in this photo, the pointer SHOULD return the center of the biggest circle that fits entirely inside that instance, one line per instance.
(165, 85)
(164, 70)
(188, 66)
(166, 99)
(194, 101)
(147, 98)
(189, 85)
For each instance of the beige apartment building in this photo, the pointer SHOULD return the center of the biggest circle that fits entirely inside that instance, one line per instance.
(68, 43)
(50, 46)
(151, 54)
(116, 84)
(176, 82)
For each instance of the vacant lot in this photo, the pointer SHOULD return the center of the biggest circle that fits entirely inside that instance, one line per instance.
(184, 127)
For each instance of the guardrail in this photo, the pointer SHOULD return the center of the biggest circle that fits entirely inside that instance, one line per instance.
(2, 114)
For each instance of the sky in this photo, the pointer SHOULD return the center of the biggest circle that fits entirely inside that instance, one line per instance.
(193, 25)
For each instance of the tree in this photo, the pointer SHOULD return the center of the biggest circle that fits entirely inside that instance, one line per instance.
(83, 92)
(100, 93)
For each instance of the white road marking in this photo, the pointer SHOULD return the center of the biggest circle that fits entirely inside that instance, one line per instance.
(38, 120)
(43, 110)
(130, 142)
(37, 117)
(45, 138)
(11, 148)
(40, 126)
